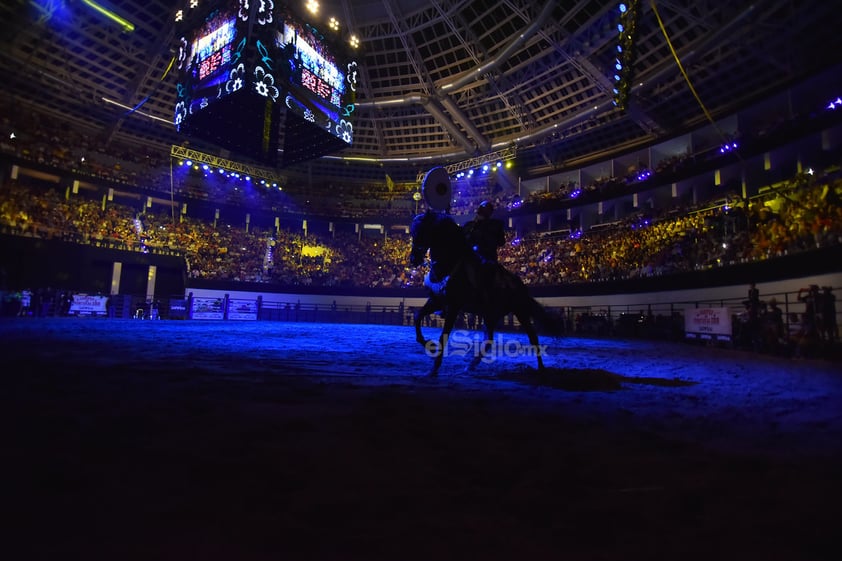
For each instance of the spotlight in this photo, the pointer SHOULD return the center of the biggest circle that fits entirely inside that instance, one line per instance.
(623, 64)
(728, 147)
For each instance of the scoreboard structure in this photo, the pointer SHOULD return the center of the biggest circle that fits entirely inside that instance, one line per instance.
(249, 71)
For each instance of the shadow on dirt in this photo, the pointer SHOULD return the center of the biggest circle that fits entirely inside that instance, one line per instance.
(583, 379)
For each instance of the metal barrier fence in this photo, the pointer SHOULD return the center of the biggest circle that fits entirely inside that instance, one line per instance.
(805, 320)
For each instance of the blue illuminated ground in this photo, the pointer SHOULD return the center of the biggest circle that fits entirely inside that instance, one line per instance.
(159, 440)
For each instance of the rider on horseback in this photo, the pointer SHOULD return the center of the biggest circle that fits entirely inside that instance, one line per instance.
(437, 231)
(475, 282)
(446, 244)
(472, 246)
(485, 233)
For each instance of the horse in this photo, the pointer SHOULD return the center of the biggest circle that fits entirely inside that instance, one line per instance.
(459, 281)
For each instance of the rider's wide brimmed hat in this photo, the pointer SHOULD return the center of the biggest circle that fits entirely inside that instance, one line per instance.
(436, 189)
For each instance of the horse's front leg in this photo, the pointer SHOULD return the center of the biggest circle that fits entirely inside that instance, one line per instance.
(424, 311)
(533, 340)
(438, 354)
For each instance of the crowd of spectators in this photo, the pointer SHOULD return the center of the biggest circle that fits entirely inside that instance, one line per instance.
(800, 215)
(602, 188)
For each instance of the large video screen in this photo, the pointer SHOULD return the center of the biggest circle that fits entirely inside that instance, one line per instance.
(209, 53)
(252, 71)
(211, 50)
(319, 90)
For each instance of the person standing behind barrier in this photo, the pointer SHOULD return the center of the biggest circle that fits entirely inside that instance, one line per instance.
(809, 336)
(485, 233)
(827, 307)
(774, 328)
(25, 302)
(752, 325)
(753, 302)
(811, 305)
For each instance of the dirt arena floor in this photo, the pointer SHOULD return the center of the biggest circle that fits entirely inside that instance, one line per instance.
(248, 441)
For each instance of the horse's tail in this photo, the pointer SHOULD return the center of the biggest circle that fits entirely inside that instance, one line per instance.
(546, 320)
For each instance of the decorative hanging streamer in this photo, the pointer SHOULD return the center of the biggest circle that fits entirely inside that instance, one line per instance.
(169, 67)
(684, 73)
(145, 99)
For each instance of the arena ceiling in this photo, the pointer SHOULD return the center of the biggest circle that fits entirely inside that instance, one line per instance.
(444, 81)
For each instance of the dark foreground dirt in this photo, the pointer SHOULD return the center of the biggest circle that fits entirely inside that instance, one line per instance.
(138, 440)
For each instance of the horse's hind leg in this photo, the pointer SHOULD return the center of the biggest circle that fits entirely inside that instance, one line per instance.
(487, 344)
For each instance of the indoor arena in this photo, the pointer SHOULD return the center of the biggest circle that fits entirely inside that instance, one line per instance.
(405, 280)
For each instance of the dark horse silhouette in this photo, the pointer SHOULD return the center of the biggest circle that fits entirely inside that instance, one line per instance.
(487, 290)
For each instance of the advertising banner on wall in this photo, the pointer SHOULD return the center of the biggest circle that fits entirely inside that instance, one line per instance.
(207, 308)
(178, 308)
(88, 305)
(242, 309)
(708, 323)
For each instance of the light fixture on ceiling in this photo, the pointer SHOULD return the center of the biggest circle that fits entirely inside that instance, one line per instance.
(623, 63)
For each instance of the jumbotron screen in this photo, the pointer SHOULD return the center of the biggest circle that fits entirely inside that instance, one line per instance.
(211, 50)
(249, 71)
(319, 90)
